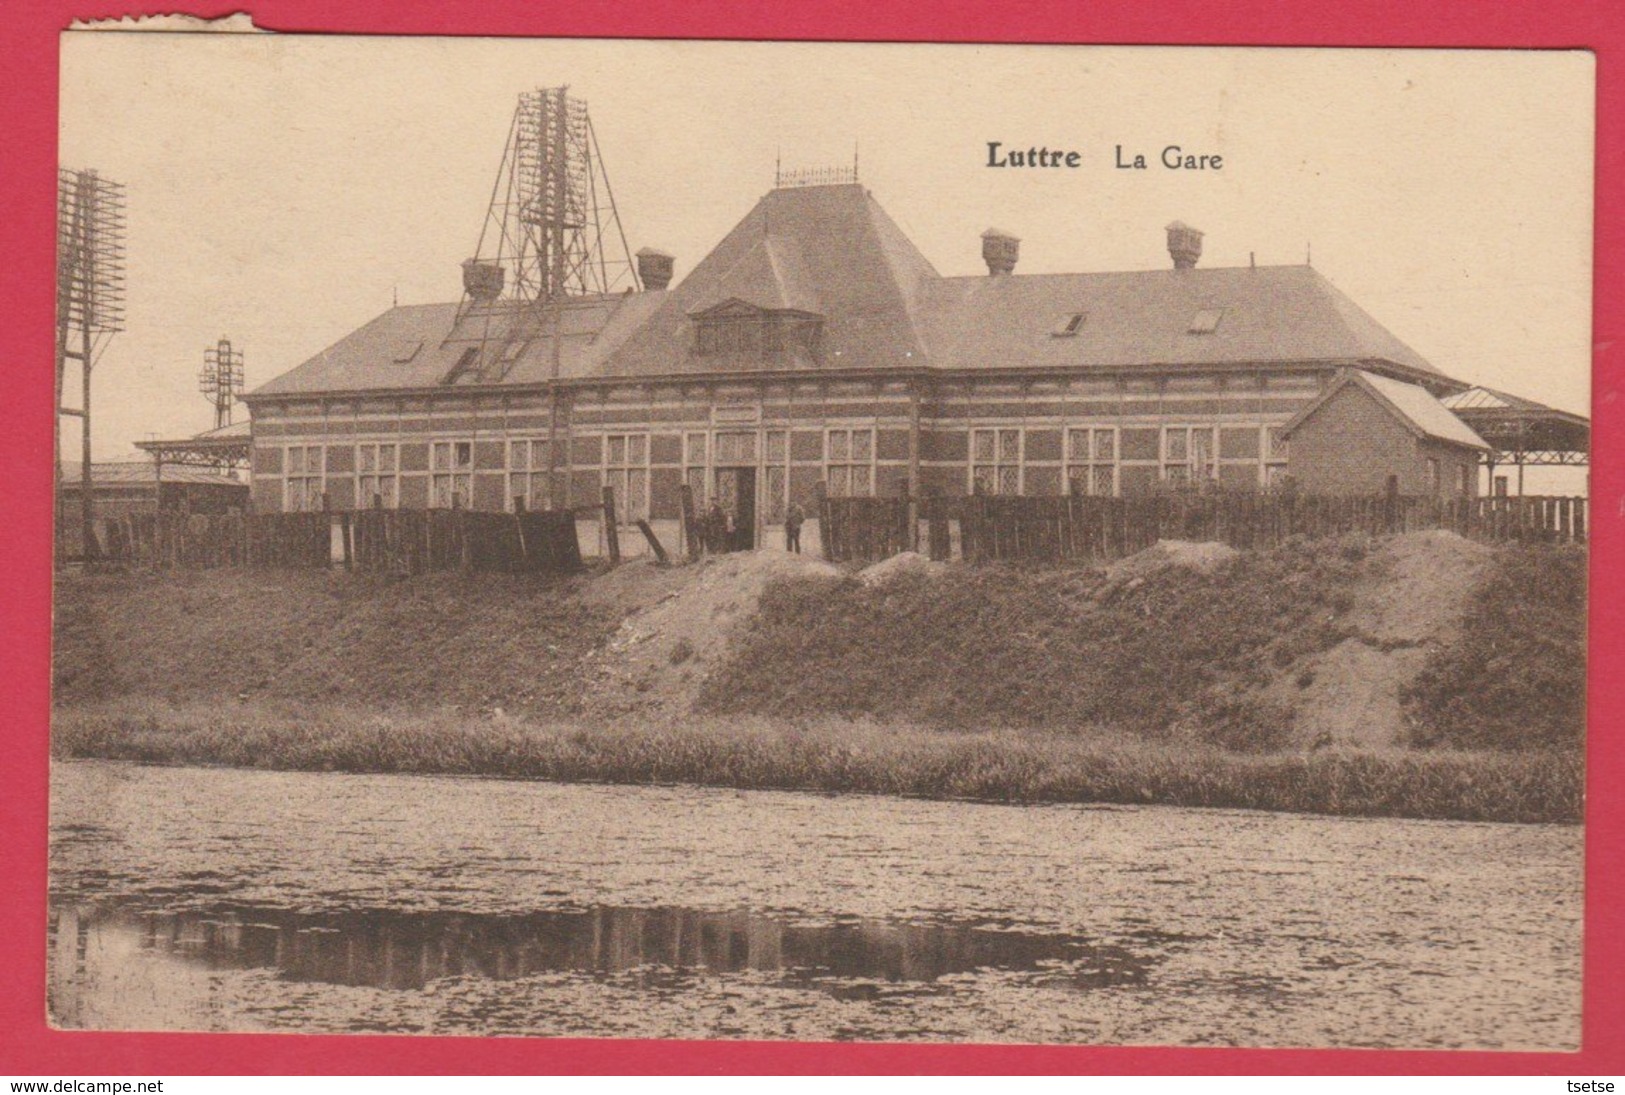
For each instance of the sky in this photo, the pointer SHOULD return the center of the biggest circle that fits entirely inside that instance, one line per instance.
(283, 190)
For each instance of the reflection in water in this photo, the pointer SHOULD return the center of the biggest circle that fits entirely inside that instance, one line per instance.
(404, 950)
(1188, 927)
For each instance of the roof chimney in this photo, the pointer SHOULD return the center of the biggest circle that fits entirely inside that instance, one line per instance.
(482, 280)
(654, 269)
(1000, 250)
(1184, 244)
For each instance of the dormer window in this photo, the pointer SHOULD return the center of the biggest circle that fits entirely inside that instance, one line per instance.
(1069, 325)
(736, 328)
(466, 366)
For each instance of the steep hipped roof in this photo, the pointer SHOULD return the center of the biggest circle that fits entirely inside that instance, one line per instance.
(1146, 317)
(832, 252)
(828, 250)
(419, 345)
(1412, 404)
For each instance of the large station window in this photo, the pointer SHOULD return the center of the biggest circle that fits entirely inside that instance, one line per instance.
(694, 465)
(1187, 455)
(996, 461)
(451, 465)
(1091, 460)
(849, 462)
(528, 474)
(626, 471)
(375, 474)
(302, 484)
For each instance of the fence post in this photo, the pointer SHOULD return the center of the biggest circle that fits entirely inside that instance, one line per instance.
(685, 504)
(1390, 507)
(654, 543)
(612, 534)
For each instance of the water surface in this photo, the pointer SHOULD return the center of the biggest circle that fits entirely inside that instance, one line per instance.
(216, 899)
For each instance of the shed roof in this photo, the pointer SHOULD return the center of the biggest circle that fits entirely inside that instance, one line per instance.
(1416, 407)
(143, 473)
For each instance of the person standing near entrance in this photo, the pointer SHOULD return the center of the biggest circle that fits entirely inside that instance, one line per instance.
(792, 528)
(716, 529)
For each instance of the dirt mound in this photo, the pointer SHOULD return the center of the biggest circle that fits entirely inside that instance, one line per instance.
(1203, 557)
(904, 562)
(680, 623)
(1409, 602)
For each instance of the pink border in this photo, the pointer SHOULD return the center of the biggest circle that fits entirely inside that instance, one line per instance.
(28, 96)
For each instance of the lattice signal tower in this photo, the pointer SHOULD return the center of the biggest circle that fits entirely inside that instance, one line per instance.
(221, 379)
(551, 230)
(90, 234)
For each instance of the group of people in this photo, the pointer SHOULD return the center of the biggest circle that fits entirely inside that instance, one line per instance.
(719, 530)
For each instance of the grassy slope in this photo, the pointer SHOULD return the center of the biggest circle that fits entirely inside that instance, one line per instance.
(1518, 675)
(431, 642)
(1004, 646)
(1022, 685)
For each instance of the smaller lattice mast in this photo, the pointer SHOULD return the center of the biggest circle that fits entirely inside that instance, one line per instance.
(221, 379)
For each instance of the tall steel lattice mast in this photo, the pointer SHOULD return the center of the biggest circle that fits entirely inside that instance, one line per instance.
(90, 230)
(221, 379)
(551, 231)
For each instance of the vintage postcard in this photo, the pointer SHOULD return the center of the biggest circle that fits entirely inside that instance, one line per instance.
(698, 540)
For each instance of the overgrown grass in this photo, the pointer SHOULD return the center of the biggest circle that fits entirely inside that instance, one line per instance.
(832, 755)
(1045, 647)
(475, 640)
(1516, 677)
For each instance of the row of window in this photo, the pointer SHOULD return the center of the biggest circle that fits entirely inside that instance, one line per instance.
(1095, 456)
(1093, 459)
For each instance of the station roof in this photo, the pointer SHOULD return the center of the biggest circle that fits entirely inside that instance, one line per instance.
(143, 472)
(1515, 426)
(833, 252)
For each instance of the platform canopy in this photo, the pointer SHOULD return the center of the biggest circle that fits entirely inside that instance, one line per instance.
(226, 448)
(1522, 432)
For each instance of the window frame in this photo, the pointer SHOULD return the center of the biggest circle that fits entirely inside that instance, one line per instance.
(998, 463)
(297, 493)
(1188, 463)
(457, 476)
(378, 476)
(696, 466)
(775, 496)
(840, 471)
(529, 477)
(628, 477)
(1091, 463)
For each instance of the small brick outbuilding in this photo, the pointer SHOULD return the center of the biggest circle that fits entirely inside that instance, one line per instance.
(1364, 429)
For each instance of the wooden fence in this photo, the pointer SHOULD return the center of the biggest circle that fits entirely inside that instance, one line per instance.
(1076, 527)
(405, 541)
(376, 540)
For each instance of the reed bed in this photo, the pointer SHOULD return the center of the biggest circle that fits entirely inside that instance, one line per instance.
(837, 756)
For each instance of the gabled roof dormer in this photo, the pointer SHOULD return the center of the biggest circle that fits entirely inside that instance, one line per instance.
(737, 328)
